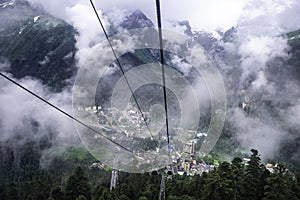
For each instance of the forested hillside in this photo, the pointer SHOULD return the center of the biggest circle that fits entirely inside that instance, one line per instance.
(70, 177)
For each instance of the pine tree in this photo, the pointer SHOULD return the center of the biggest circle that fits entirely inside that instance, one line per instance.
(97, 192)
(2, 193)
(228, 190)
(77, 184)
(106, 195)
(142, 198)
(297, 187)
(280, 185)
(194, 187)
(223, 182)
(126, 189)
(124, 197)
(12, 193)
(252, 181)
(81, 197)
(57, 193)
(238, 177)
(212, 187)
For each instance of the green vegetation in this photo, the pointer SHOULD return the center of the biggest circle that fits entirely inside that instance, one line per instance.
(71, 178)
(44, 49)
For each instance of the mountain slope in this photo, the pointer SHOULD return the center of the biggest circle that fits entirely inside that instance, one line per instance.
(37, 44)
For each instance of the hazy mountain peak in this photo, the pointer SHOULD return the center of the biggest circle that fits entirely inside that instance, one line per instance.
(137, 19)
(13, 3)
(188, 29)
(138, 12)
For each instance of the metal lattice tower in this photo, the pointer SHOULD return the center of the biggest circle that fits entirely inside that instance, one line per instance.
(162, 193)
(114, 178)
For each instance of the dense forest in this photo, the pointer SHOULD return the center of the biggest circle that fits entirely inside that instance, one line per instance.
(71, 177)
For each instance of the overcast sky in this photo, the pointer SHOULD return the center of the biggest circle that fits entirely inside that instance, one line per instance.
(201, 13)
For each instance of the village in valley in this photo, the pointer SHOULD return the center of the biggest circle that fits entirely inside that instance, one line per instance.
(132, 124)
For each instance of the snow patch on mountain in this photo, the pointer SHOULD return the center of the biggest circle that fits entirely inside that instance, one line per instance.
(36, 18)
(6, 4)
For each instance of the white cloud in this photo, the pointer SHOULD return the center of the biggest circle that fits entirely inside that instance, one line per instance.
(271, 16)
(25, 118)
(201, 14)
(256, 51)
(204, 14)
(253, 132)
(259, 22)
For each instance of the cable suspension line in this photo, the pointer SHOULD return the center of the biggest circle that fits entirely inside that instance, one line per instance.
(122, 70)
(162, 61)
(65, 113)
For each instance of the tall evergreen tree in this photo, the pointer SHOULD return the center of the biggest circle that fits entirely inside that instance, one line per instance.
(212, 187)
(222, 183)
(57, 193)
(77, 184)
(125, 189)
(238, 177)
(97, 192)
(124, 197)
(106, 195)
(12, 193)
(280, 185)
(142, 198)
(2, 193)
(252, 182)
(81, 197)
(194, 189)
(297, 186)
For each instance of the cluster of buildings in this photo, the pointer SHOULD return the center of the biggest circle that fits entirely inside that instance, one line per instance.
(270, 167)
(132, 123)
(188, 166)
(185, 162)
(113, 117)
(191, 167)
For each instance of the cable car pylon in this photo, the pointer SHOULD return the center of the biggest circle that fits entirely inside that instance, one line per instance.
(162, 191)
(114, 179)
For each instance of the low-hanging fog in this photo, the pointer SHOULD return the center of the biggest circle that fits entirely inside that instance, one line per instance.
(263, 97)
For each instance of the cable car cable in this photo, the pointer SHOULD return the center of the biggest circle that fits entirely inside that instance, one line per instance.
(122, 70)
(65, 113)
(162, 61)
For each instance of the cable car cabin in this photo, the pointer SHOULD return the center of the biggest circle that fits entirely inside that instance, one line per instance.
(154, 173)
